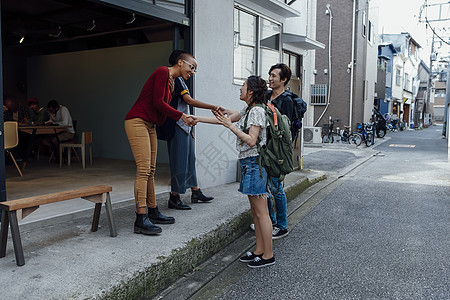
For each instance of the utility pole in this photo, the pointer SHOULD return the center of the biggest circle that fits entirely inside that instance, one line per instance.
(433, 56)
(430, 81)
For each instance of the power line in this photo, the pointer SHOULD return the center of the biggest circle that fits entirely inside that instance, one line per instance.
(434, 32)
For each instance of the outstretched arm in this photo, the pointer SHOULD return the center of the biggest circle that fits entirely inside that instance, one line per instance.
(250, 139)
(197, 103)
(233, 115)
(209, 120)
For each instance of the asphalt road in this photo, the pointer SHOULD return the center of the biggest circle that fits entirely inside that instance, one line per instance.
(382, 231)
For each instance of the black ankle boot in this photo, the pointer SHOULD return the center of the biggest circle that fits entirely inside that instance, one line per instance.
(175, 202)
(157, 217)
(197, 195)
(143, 225)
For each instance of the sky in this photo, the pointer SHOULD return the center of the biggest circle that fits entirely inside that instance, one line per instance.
(396, 16)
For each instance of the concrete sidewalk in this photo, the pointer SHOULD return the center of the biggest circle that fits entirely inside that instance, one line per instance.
(64, 260)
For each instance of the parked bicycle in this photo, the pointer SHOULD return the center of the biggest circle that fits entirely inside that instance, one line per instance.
(332, 135)
(365, 133)
(393, 124)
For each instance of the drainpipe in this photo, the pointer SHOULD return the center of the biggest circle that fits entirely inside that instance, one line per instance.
(329, 66)
(352, 64)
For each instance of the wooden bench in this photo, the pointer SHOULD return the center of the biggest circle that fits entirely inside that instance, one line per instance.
(15, 210)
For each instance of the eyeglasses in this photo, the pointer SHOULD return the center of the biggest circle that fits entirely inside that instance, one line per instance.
(193, 68)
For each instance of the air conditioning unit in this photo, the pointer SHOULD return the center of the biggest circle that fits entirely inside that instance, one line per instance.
(312, 135)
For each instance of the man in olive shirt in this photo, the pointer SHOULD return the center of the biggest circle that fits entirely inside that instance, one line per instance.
(38, 114)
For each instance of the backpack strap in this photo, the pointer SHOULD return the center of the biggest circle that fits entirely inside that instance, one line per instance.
(275, 117)
(244, 129)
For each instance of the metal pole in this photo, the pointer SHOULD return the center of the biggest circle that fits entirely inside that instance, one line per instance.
(2, 142)
(446, 126)
(430, 80)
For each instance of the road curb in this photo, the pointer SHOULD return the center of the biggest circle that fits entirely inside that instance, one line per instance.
(158, 276)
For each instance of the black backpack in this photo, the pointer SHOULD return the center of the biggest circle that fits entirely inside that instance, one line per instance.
(300, 108)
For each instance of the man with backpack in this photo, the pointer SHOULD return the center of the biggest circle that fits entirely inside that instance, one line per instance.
(293, 107)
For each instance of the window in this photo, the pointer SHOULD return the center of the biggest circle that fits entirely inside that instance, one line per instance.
(318, 94)
(294, 62)
(440, 93)
(388, 79)
(257, 44)
(175, 5)
(244, 44)
(369, 35)
(398, 77)
(407, 82)
(269, 44)
(364, 26)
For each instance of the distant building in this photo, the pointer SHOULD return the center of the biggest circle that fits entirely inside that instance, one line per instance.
(423, 75)
(404, 80)
(383, 89)
(346, 69)
(439, 96)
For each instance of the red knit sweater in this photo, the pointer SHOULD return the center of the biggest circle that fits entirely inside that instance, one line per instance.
(153, 102)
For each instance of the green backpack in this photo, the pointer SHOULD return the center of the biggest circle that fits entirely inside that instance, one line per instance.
(276, 154)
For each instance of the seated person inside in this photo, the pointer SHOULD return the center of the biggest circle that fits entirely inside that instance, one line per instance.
(38, 114)
(59, 115)
(14, 111)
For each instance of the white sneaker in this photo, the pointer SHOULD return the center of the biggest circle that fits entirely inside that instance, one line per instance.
(252, 227)
(278, 233)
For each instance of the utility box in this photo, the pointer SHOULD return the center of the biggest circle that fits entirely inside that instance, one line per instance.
(312, 135)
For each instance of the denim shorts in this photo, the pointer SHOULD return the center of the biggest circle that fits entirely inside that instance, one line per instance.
(251, 181)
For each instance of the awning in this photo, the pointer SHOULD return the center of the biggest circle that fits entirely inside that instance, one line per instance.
(301, 41)
(278, 7)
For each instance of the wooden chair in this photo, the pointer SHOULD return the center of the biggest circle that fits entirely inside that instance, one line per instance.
(86, 139)
(11, 136)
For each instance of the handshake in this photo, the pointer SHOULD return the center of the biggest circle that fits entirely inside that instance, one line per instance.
(191, 120)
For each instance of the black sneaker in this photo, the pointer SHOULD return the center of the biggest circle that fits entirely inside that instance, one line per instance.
(278, 233)
(260, 262)
(249, 257)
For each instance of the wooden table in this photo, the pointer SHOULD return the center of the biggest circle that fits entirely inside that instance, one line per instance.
(39, 129)
(43, 129)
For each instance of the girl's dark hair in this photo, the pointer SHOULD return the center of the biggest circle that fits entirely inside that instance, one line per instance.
(259, 88)
(178, 54)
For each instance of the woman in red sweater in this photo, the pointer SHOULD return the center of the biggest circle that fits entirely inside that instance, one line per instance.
(151, 109)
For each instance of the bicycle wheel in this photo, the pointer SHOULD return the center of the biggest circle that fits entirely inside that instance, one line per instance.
(334, 137)
(355, 138)
(368, 139)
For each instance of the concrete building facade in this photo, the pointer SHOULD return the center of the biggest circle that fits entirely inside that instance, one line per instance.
(108, 48)
(347, 67)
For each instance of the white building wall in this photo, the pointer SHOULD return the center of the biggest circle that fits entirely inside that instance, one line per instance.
(371, 64)
(213, 49)
(398, 64)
